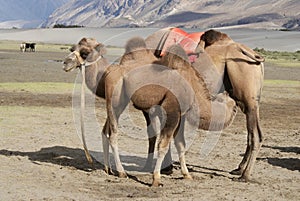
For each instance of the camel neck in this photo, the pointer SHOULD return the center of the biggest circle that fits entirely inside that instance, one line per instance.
(93, 75)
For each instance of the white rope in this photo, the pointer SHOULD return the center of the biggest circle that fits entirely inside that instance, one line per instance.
(87, 63)
(82, 107)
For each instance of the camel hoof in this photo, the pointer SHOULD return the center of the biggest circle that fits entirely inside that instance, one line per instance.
(188, 176)
(237, 171)
(241, 179)
(156, 183)
(108, 171)
(122, 174)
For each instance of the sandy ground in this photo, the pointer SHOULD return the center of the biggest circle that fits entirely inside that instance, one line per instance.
(42, 158)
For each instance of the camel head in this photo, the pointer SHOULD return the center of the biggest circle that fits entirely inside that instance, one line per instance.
(86, 49)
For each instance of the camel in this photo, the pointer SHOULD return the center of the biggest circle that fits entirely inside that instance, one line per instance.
(96, 63)
(239, 68)
(174, 87)
(90, 53)
(244, 73)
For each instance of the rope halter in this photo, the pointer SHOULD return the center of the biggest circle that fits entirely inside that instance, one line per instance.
(84, 62)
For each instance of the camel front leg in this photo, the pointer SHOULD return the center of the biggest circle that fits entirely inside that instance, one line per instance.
(116, 102)
(113, 115)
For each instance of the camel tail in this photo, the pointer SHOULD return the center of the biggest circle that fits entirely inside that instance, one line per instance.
(251, 54)
(134, 44)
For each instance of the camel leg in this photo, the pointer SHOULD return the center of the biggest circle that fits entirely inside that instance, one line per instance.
(105, 144)
(153, 131)
(160, 117)
(113, 139)
(172, 122)
(167, 164)
(254, 142)
(113, 114)
(180, 146)
(151, 140)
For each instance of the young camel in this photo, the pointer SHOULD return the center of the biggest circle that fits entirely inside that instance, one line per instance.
(178, 90)
(90, 53)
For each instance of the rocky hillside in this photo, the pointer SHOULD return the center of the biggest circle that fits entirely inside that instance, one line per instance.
(184, 13)
(26, 13)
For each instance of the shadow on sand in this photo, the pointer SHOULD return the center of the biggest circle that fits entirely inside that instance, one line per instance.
(73, 157)
(59, 155)
(288, 163)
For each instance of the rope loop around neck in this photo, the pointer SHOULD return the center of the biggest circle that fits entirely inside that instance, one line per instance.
(84, 62)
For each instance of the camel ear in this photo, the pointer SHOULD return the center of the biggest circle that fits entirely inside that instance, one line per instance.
(101, 49)
(83, 41)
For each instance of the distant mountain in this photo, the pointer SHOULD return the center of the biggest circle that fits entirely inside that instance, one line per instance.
(272, 14)
(182, 13)
(26, 13)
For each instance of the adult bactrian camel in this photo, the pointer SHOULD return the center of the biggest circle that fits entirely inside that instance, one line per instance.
(173, 85)
(244, 71)
(237, 66)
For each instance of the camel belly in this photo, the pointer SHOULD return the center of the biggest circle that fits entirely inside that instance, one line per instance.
(147, 96)
(148, 86)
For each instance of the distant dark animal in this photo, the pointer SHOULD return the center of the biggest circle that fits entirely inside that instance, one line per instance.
(32, 47)
(24, 46)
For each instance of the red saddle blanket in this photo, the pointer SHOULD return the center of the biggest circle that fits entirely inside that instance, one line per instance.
(188, 41)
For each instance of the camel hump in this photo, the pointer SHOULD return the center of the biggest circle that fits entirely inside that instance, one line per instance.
(134, 44)
(212, 36)
(175, 57)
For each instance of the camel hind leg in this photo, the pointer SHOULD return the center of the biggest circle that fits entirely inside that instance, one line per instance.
(152, 135)
(247, 92)
(155, 121)
(171, 125)
(180, 146)
(254, 142)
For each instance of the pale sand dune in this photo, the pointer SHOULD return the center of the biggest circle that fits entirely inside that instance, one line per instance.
(268, 39)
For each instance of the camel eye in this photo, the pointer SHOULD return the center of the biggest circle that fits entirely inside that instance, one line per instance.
(84, 52)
